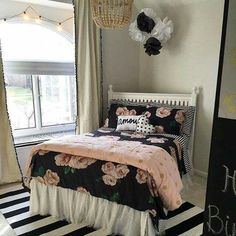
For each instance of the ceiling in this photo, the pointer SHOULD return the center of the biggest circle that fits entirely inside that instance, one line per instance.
(65, 4)
(64, 1)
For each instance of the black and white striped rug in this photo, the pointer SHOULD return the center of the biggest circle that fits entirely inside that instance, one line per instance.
(14, 205)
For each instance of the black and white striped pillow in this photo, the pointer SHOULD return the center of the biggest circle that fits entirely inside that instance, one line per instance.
(143, 126)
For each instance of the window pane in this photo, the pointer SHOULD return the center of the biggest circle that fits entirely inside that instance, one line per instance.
(20, 101)
(31, 42)
(57, 99)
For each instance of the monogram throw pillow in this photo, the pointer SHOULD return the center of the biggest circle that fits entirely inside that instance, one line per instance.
(127, 123)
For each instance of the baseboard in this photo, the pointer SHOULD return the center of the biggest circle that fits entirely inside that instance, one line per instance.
(200, 173)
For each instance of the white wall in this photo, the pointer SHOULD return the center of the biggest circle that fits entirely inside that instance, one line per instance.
(120, 61)
(190, 58)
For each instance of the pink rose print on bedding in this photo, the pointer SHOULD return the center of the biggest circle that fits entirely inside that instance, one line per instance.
(109, 169)
(152, 186)
(153, 212)
(163, 112)
(157, 140)
(40, 179)
(82, 190)
(179, 148)
(51, 178)
(180, 116)
(106, 123)
(159, 129)
(42, 152)
(110, 138)
(173, 153)
(121, 171)
(62, 159)
(132, 112)
(141, 176)
(123, 111)
(109, 180)
(128, 143)
(120, 111)
(148, 114)
(79, 162)
(113, 172)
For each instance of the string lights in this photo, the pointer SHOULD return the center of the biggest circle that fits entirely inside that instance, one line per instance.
(38, 20)
(59, 27)
(31, 14)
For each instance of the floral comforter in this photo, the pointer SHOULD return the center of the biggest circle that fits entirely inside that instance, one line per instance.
(111, 172)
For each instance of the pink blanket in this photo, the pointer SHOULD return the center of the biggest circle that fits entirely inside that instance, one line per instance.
(155, 160)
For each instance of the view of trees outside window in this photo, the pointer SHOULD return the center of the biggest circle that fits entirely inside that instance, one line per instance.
(54, 94)
(57, 99)
(20, 101)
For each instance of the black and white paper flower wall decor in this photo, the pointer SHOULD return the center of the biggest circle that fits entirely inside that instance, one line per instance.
(151, 31)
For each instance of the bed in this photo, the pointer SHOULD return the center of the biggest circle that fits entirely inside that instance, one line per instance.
(125, 176)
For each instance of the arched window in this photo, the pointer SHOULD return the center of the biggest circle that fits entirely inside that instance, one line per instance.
(40, 81)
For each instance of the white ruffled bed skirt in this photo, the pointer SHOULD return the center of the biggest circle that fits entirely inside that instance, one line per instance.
(78, 207)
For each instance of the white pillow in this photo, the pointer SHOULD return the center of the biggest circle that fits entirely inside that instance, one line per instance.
(143, 126)
(127, 123)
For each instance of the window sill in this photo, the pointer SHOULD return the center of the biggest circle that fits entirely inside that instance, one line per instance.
(39, 138)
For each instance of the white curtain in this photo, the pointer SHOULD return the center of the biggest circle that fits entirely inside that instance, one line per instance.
(9, 168)
(88, 68)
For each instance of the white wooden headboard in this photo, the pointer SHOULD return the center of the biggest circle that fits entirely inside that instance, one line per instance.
(170, 99)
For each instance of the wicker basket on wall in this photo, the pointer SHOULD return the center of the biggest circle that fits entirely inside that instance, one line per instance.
(111, 14)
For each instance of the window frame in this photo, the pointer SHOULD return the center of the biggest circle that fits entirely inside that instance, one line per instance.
(39, 68)
(35, 69)
(42, 68)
